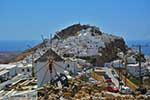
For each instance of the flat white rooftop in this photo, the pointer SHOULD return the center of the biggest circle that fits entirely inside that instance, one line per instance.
(23, 66)
(136, 65)
(7, 66)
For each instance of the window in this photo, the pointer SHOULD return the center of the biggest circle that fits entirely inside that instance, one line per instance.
(28, 70)
(68, 66)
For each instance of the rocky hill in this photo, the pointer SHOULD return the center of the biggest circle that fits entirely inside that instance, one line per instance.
(112, 44)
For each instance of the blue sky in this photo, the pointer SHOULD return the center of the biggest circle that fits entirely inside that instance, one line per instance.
(28, 19)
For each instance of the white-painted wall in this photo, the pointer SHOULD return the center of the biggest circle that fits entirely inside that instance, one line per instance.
(24, 69)
(134, 70)
(12, 72)
(131, 60)
(12, 69)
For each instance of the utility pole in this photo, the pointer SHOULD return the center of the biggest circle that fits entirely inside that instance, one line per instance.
(139, 61)
(126, 71)
(140, 75)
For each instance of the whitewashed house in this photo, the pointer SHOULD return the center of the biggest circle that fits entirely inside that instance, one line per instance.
(147, 64)
(4, 78)
(4, 75)
(25, 69)
(7, 72)
(131, 60)
(132, 51)
(117, 64)
(48, 66)
(134, 69)
(11, 69)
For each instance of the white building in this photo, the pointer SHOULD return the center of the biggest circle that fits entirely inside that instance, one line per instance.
(11, 69)
(7, 72)
(25, 69)
(147, 64)
(134, 69)
(131, 60)
(4, 75)
(132, 51)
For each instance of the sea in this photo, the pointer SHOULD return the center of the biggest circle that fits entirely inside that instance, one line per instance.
(17, 45)
(21, 45)
(144, 43)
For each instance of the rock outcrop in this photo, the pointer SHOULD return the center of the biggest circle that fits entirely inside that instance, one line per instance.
(109, 53)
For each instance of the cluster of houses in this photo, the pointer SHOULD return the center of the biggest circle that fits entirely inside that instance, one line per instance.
(10, 74)
(132, 65)
(86, 43)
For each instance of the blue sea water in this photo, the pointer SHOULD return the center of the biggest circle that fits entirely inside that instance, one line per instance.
(16, 45)
(144, 43)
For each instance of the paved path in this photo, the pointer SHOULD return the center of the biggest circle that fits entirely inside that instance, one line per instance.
(109, 73)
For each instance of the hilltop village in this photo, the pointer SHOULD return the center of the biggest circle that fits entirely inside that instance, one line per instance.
(79, 62)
